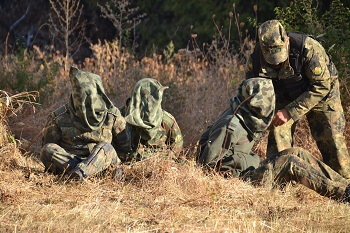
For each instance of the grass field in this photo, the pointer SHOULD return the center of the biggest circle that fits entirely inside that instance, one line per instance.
(157, 195)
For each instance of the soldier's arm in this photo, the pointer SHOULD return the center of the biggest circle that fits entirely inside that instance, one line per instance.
(316, 68)
(176, 139)
(53, 133)
(121, 136)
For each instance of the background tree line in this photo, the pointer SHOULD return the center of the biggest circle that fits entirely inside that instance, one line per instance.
(159, 22)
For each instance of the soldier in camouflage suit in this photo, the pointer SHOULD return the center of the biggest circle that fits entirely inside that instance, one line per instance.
(80, 134)
(306, 83)
(152, 128)
(226, 146)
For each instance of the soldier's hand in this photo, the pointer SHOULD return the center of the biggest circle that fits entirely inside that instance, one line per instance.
(281, 117)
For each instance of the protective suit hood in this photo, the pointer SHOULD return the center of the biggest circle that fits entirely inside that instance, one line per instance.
(89, 104)
(254, 104)
(144, 109)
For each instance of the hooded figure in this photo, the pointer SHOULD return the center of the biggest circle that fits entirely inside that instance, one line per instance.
(226, 146)
(80, 134)
(152, 128)
(89, 104)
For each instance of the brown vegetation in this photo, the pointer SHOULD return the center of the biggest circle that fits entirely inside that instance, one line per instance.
(159, 194)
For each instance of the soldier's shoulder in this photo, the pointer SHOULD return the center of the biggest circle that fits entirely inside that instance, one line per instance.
(114, 112)
(311, 44)
(168, 119)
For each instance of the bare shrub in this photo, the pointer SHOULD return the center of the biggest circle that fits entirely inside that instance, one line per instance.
(67, 26)
(9, 105)
(124, 18)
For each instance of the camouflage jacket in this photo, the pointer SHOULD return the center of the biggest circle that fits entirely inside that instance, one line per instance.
(62, 132)
(168, 137)
(315, 67)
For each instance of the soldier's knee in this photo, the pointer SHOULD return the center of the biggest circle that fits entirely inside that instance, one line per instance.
(286, 160)
(46, 155)
(292, 159)
(108, 150)
(105, 146)
(47, 151)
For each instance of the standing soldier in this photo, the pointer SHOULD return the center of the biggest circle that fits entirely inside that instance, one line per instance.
(152, 128)
(80, 134)
(306, 83)
(226, 146)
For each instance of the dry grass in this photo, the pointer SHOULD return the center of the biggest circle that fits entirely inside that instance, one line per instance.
(159, 194)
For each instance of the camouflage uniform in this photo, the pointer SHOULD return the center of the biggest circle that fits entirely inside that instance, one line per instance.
(152, 128)
(80, 134)
(320, 100)
(226, 146)
(296, 164)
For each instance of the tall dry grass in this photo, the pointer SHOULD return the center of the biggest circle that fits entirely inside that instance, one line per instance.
(159, 194)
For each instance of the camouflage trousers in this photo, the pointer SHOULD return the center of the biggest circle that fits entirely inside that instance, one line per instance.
(58, 161)
(327, 124)
(296, 164)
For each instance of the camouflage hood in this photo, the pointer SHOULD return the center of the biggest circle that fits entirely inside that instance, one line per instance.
(144, 110)
(259, 108)
(89, 104)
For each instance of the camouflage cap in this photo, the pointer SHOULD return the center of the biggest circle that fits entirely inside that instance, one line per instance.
(89, 103)
(144, 109)
(257, 99)
(273, 42)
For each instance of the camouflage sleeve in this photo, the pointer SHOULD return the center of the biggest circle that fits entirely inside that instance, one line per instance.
(249, 68)
(175, 139)
(316, 68)
(121, 135)
(52, 133)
